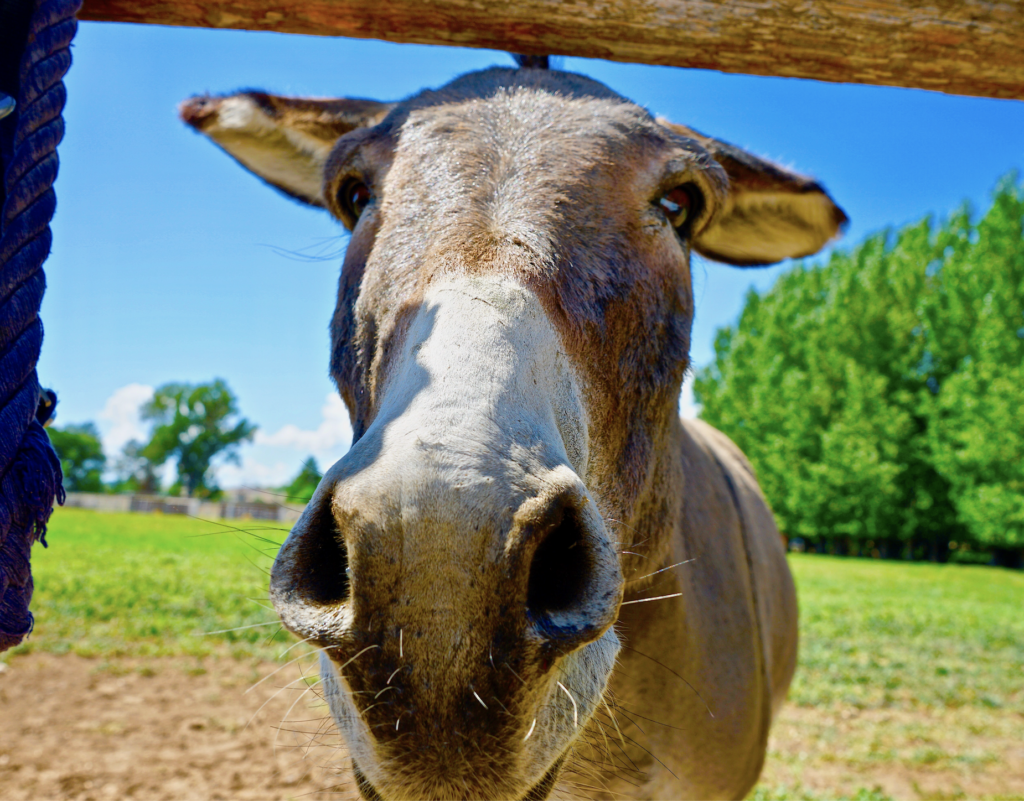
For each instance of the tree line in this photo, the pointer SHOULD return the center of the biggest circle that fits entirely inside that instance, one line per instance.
(191, 424)
(879, 395)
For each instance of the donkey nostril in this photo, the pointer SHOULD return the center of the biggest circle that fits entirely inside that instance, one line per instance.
(323, 562)
(560, 573)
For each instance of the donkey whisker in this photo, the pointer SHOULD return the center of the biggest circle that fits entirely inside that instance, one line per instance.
(674, 673)
(286, 714)
(271, 698)
(614, 721)
(498, 700)
(575, 711)
(656, 572)
(240, 628)
(513, 672)
(294, 645)
(645, 600)
(278, 670)
(354, 658)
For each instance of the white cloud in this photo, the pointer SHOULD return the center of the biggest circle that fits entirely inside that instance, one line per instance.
(274, 459)
(688, 407)
(120, 420)
(334, 432)
(254, 473)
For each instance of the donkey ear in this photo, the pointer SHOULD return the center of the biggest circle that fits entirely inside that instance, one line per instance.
(770, 213)
(283, 140)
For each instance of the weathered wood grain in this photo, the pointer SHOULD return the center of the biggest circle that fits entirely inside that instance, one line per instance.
(970, 47)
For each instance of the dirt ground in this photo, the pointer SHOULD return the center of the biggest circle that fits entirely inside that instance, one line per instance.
(73, 728)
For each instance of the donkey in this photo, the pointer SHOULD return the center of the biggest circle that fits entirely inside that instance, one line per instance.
(529, 575)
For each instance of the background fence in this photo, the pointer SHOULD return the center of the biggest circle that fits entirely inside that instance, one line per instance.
(237, 505)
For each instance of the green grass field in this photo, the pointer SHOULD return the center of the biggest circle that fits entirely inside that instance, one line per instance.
(909, 671)
(909, 635)
(914, 645)
(114, 585)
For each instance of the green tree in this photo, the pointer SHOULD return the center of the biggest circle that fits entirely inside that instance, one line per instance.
(195, 423)
(976, 326)
(135, 473)
(305, 483)
(878, 395)
(81, 456)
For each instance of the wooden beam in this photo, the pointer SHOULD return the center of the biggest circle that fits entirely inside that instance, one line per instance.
(969, 47)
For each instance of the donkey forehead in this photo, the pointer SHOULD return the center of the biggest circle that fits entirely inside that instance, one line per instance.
(537, 134)
(532, 119)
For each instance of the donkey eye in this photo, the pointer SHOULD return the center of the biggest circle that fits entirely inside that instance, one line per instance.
(680, 205)
(353, 197)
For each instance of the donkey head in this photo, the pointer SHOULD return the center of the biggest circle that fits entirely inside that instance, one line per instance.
(511, 333)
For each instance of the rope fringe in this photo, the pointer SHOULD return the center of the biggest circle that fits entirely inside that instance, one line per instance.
(30, 474)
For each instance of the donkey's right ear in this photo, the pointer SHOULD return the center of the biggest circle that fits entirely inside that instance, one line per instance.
(283, 140)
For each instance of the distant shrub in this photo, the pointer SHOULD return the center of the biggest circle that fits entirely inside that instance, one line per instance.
(81, 456)
(302, 487)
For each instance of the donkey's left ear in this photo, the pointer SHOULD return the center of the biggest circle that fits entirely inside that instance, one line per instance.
(283, 140)
(770, 213)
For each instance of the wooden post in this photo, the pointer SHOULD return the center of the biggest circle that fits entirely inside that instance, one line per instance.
(970, 47)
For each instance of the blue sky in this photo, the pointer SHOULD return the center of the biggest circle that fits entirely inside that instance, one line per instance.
(172, 263)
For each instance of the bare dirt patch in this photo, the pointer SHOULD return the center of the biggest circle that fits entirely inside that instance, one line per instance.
(178, 728)
(75, 728)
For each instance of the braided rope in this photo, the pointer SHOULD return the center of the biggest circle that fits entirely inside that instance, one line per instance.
(30, 476)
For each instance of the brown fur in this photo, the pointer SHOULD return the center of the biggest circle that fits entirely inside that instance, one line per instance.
(515, 237)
